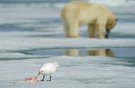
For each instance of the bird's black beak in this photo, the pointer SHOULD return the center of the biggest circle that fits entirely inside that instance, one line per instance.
(107, 33)
(38, 74)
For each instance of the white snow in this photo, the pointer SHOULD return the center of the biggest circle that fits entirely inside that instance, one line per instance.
(126, 29)
(74, 72)
(114, 2)
(31, 43)
(26, 14)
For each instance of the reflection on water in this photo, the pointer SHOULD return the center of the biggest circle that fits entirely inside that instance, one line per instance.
(111, 52)
(98, 52)
(72, 52)
(101, 52)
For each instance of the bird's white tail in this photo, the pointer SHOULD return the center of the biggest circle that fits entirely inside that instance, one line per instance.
(56, 64)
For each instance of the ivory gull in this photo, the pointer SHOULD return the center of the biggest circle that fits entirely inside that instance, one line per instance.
(47, 69)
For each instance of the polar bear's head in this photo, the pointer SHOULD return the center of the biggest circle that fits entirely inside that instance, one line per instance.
(111, 23)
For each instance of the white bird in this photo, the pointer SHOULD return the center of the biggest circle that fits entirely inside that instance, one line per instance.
(47, 69)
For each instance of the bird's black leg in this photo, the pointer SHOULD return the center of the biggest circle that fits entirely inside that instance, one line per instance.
(43, 78)
(50, 78)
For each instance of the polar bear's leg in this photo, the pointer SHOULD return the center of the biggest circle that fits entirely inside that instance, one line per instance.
(66, 28)
(100, 29)
(91, 31)
(73, 31)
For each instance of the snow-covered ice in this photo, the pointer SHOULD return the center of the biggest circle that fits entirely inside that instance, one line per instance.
(33, 43)
(81, 72)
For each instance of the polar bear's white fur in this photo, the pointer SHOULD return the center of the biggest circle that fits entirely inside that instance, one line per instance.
(99, 19)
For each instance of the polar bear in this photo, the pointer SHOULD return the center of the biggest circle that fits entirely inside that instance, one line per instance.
(99, 19)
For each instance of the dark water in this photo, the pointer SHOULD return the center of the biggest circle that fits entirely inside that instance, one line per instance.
(120, 54)
(112, 52)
